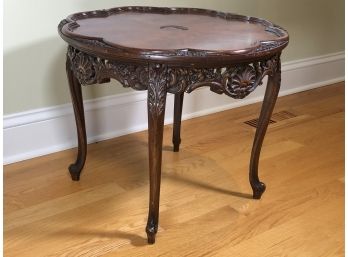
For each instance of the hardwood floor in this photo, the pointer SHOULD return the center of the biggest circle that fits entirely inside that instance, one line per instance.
(205, 208)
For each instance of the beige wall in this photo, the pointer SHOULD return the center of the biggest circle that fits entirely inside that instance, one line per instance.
(34, 54)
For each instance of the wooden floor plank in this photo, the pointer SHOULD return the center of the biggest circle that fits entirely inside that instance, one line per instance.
(206, 207)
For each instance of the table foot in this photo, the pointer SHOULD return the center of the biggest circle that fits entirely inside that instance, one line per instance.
(151, 233)
(76, 96)
(176, 147)
(151, 238)
(178, 102)
(258, 189)
(268, 104)
(74, 170)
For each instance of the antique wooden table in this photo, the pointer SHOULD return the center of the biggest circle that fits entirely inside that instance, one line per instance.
(172, 50)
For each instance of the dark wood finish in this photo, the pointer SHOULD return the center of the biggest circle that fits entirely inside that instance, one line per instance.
(172, 50)
(76, 97)
(236, 81)
(271, 94)
(153, 31)
(156, 102)
(151, 34)
(178, 102)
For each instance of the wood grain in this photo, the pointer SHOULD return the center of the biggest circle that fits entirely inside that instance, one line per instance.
(172, 35)
(206, 207)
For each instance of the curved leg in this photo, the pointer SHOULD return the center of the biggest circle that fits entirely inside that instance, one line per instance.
(77, 101)
(156, 107)
(269, 101)
(178, 101)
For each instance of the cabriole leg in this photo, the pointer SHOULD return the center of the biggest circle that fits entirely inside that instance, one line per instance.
(156, 108)
(77, 101)
(269, 101)
(178, 101)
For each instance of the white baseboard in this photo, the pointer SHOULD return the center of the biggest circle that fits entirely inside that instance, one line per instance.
(42, 131)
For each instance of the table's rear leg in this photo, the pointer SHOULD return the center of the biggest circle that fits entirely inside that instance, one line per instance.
(77, 101)
(269, 101)
(178, 102)
(156, 108)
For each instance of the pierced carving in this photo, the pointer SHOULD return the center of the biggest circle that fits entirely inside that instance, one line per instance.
(236, 81)
(91, 70)
(175, 72)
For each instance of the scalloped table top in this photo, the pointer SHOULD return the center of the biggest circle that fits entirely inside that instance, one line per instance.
(159, 30)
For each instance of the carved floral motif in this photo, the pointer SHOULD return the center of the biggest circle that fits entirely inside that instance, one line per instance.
(236, 81)
(157, 89)
(92, 70)
(240, 82)
(83, 67)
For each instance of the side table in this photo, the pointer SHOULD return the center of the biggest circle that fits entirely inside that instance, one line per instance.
(172, 50)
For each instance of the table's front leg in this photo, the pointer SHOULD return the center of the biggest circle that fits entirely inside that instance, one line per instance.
(269, 101)
(77, 101)
(156, 101)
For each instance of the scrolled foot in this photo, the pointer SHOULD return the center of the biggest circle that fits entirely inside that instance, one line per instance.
(75, 171)
(258, 189)
(151, 234)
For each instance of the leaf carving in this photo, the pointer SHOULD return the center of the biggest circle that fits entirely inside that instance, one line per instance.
(157, 89)
(236, 81)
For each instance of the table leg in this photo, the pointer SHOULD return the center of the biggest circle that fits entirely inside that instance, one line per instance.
(178, 101)
(77, 101)
(156, 102)
(269, 101)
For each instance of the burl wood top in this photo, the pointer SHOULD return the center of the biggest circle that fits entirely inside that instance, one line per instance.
(162, 33)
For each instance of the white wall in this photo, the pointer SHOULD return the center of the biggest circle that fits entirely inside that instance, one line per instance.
(38, 116)
(34, 54)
